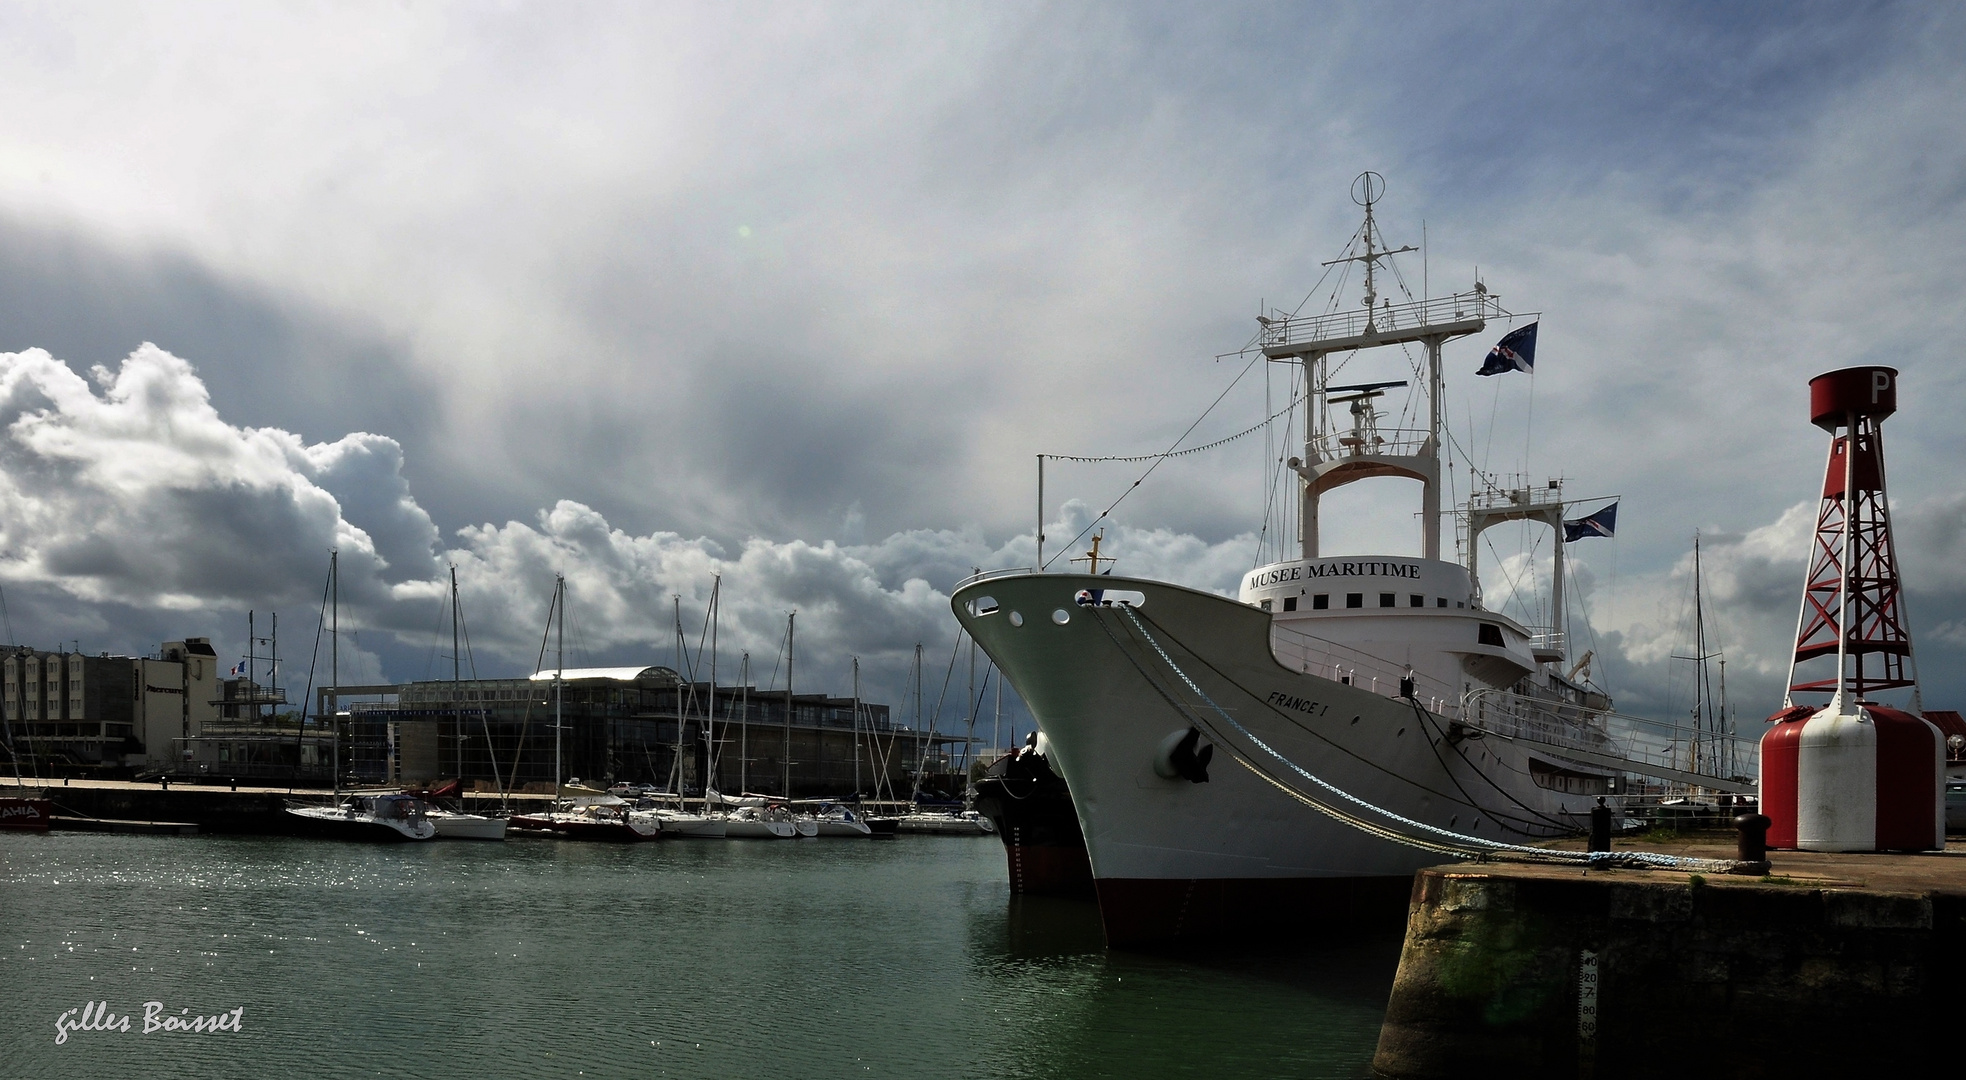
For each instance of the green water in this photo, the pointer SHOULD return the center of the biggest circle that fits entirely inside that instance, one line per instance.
(816, 958)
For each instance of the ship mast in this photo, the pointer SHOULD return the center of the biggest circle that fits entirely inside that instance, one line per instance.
(1333, 458)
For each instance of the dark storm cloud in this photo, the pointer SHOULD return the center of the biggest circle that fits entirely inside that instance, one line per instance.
(263, 352)
(641, 292)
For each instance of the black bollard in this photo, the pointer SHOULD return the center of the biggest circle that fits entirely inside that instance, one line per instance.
(235, 783)
(1753, 843)
(1600, 826)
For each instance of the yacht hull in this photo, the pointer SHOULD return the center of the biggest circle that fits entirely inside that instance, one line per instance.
(334, 824)
(740, 829)
(606, 831)
(1234, 853)
(467, 826)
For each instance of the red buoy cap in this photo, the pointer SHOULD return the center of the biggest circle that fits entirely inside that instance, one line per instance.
(1864, 391)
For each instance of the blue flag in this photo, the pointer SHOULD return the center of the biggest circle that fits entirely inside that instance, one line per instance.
(1515, 352)
(1602, 523)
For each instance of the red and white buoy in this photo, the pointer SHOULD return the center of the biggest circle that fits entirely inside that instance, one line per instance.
(1853, 775)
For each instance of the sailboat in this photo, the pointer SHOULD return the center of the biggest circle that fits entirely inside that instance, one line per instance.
(583, 814)
(456, 824)
(676, 821)
(391, 818)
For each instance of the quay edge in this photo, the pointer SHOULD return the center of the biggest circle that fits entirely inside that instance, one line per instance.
(1834, 965)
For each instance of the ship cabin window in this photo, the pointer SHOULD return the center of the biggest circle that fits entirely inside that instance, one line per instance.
(1490, 635)
(1416, 600)
(1321, 601)
(1440, 601)
(1387, 599)
(1460, 603)
(1290, 603)
(1353, 599)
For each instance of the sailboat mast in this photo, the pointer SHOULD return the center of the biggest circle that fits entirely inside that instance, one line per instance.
(1701, 700)
(679, 700)
(744, 724)
(856, 725)
(334, 667)
(710, 729)
(457, 707)
(785, 781)
(969, 731)
(559, 670)
(921, 757)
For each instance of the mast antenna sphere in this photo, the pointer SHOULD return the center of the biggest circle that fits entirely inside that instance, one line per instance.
(1368, 187)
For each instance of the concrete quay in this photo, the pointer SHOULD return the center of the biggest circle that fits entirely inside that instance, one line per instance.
(1828, 965)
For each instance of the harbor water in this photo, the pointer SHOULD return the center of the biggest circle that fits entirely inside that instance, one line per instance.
(536, 958)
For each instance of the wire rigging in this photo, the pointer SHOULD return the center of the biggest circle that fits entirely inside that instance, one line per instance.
(1157, 460)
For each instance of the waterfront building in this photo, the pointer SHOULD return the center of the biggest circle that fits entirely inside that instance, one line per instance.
(620, 726)
(70, 713)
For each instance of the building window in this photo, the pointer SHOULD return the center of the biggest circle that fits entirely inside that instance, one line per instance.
(1387, 599)
(1441, 602)
(1490, 634)
(1354, 600)
(1321, 602)
(1290, 603)
(1416, 600)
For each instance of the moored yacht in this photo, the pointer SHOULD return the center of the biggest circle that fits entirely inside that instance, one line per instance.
(387, 818)
(592, 817)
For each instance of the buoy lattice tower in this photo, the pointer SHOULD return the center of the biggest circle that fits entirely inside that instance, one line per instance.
(1853, 774)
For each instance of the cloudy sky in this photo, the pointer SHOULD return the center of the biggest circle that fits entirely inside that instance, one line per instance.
(795, 293)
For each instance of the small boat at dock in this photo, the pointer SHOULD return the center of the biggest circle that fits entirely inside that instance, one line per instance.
(392, 818)
(839, 821)
(758, 823)
(452, 825)
(592, 817)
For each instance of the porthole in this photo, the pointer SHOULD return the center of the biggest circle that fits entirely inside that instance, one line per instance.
(1061, 616)
(1016, 618)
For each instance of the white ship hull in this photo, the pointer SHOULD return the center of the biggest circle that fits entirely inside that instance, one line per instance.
(1175, 858)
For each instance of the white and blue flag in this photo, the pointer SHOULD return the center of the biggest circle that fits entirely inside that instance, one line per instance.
(1601, 523)
(1515, 352)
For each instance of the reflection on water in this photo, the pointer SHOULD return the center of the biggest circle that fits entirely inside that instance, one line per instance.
(543, 958)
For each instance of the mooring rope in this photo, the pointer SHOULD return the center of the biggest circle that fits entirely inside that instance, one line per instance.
(1451, 841)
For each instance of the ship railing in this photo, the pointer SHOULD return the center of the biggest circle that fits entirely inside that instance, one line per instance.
(1519, 491)
(1543, 638)
(988, 575)
(1344, 443)
(1312, 655)
(1386, 319)
(1566, 725)
(1542, 720)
